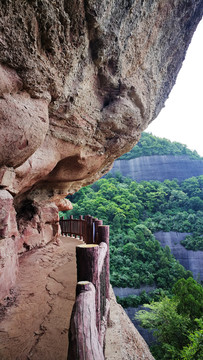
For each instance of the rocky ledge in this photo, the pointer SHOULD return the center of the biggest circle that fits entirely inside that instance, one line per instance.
(79, 82)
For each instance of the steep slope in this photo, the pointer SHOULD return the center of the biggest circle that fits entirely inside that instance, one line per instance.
(191, 260)
(162, 167)
(159, 167)
(155, 158)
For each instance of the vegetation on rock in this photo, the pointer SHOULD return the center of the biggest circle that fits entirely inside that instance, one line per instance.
(149, 145)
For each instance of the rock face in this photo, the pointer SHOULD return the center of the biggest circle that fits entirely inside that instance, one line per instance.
(123, 341)
(159, 167)
(145, 333)
(191, 260)
(79, 81)
(123, 292)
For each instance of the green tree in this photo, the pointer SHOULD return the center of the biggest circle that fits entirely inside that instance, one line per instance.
(189, 295)
(176, 321)
(194, 350)
(170, 327)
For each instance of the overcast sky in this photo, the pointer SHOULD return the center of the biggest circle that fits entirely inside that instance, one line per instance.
(182, 117)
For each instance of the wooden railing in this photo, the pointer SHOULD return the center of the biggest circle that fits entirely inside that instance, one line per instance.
(91, 310)
(86, 229)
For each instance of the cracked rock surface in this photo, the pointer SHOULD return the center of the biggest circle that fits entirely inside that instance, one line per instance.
(36, 325)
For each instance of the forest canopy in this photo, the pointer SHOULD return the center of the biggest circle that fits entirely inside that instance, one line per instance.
(152, 145)
(134, 212)
(178, 322)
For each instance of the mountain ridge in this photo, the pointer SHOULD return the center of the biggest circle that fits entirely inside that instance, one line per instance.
(159, 167)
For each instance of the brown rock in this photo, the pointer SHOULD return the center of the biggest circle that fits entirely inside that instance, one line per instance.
(7, 176)
(123, 341)
(9, 239)
(104, 69)
(64, 204)
(38, 225)
(79, 82)
(8, 266)
(8, 226)
(23, 126)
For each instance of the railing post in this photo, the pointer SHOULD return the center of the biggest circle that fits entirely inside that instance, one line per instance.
(89, 221)
(81, 219)
(103, 236)
(83, 334)
(87, 256)
(97, 223)
(71, 218)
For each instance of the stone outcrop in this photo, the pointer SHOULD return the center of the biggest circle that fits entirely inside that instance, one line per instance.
(123, 341)
(147, 334)
(159, 167)
(79, 81)
(191, 260)
(9, 239)
(123, 292)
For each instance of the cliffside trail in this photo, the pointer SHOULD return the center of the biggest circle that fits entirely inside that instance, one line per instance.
(34, 325)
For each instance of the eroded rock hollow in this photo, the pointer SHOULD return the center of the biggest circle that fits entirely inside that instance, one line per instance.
(79, 81)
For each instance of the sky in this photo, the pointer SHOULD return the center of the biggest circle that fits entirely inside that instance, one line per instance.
(181, 119)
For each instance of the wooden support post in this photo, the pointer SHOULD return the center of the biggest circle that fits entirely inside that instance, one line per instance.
(97, 223)
(103, 236)
(83, 335)
(89, 221)
(87, 256)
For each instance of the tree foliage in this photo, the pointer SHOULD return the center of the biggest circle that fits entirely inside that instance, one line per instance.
(177, 322)
(134, 212)
(152, 145)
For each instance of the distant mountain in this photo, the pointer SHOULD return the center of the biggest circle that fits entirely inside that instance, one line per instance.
(149, 145)
(159, 167)
(159, 159)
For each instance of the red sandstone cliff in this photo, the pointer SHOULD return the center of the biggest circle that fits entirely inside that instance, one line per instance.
(79, 81)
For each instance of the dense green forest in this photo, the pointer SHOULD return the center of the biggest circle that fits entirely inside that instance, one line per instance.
(178, 322)
(152, 145)
(134, 211)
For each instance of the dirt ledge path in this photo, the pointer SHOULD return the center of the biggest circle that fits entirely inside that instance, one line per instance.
(36, 325)
(36, 322)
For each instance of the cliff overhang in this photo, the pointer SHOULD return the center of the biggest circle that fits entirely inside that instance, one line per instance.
(79, 82)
